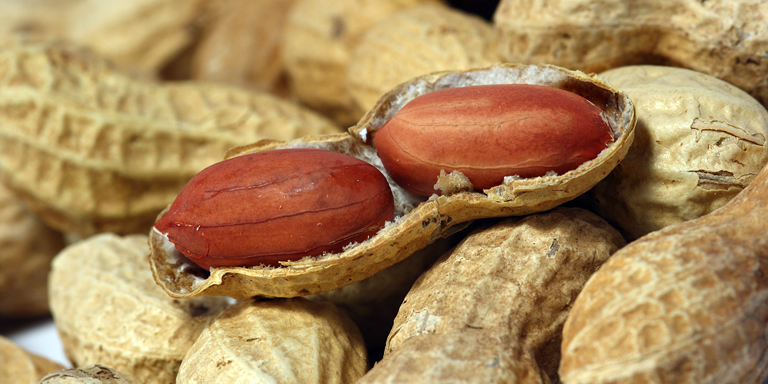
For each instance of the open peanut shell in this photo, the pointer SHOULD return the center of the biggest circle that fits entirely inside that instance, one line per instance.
(418, 221)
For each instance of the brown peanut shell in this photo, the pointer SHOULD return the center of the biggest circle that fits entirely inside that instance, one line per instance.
(727, 39)
(92, 150)
(685, 304)
(277, 341)
(27, 247)
(108, 310)
(319, 38)
(18, 366)
(414, 41)
(492, 308)
(243, 46)
(92, 374)
(417, 222)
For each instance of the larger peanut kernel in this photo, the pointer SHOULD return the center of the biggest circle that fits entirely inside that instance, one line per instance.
(490, 132)
(275, 206)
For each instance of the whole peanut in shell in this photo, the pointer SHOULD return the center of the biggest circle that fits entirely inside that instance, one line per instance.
(488, 133)
(109, 311)
(492, 309)
(283, 205)
(277, 341)
(418, 221)
(698, 142)
(92, 374)
(92, 150)
(20, 366)
(723, 38)
(685, 304)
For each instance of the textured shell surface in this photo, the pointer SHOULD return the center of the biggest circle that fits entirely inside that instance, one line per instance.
(418, 221)
(91, 374)
(93, 150)
(699, 141)
(277, 341)
(723, 38)
(685, 304)
(131, 325)
(414, 41)
(492, 308)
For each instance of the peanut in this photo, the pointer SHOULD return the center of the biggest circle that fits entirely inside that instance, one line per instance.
(685, 304)
(488, 133)
(415, 41)
(92, 150)
(723, 38)
(27, 247)
(418, 221)
(244, 46)
(268, 207)
(21, 367)
(108, 310)
(277, 341)
(92, 374)
(319, 38)
(492, 309)
(698, 142)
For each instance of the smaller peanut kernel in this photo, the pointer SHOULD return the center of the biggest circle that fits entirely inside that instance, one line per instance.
(274, 206)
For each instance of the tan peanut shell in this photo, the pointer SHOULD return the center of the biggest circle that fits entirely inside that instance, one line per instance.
(108, 310)
(698, 142)
(685, 304)
(141, 36)
(92, 374)
(372, 303)
(92, 150)
(492, 309)
(277, 341)
(318, 42)
(727, 39)
(27, 247)
(414, 41)
(243, 46)
(418, 221)
(18, 366)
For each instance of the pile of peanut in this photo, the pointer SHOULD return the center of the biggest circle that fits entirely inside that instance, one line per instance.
(642, 261)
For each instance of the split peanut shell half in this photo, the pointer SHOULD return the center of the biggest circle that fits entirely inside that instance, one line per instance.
(418, 221)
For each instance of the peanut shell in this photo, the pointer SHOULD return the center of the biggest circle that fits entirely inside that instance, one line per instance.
(27, 247)
(492, 308)
(21, 367)
(92, 374)
(319, 38)
(699, 141)
(108, 310)
(727, 39)
(140, 36)
(277, 341)
(418, 221)
(92, 150)
(415, 41)
(244, 46)
(684, 304)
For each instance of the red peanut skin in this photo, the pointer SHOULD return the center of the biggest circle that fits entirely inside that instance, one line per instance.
(273, 206)
(489, 132)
